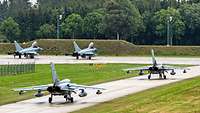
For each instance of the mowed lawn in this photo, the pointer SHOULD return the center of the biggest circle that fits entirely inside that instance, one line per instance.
(87, 74)
(180, 97)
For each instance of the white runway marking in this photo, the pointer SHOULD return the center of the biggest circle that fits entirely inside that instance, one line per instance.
(114, 90)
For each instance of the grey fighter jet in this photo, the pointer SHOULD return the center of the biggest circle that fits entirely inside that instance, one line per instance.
(60, 88)
(84, 53)
(29, 52)
(156, 69)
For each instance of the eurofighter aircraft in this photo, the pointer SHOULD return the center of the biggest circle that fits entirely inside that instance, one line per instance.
(60, 88)
(84, 53)
(26, 52)
(156, 69)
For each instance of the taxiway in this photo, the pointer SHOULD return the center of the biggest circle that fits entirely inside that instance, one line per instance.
(5, 59)
(114, 89)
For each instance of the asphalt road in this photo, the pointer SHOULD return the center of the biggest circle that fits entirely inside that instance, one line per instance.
(5, 59)
(114, 89)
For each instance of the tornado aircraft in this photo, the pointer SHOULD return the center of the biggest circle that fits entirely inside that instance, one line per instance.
(156, 68)
(60, 88)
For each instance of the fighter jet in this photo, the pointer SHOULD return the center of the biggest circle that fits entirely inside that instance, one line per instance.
(156, 69)
(84, 53)
(27, 52)
(60, 88)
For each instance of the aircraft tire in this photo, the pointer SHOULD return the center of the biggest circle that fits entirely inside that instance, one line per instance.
(71, 99)
(20, 56)
(32, 56)
(184, 71)
(165, 77)
(160, 76)
(77, 57)
(89, 57)
(149, 77)
(50, 99)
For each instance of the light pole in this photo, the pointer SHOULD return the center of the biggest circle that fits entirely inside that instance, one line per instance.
(59, 17)
(118, 38)
(170, 33)
(169, 38)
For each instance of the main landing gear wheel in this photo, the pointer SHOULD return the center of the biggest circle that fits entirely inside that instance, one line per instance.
(89, 58)
(184, 71)
(164, 77)
(160, 76)
(20, 56)
(77, 57)
(149, 77)
(71, 99)
(32, 56)
(50, 99)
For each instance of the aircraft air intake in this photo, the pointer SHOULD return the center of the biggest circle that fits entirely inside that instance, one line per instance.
(153, 68)
(52, 89)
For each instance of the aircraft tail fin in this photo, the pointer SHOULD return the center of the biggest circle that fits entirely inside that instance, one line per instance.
(153, 58)
(17, 46)
(34, 44)
(54, 75)
(76, 47)
(91, 45)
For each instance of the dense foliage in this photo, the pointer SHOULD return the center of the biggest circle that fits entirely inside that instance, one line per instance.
(137, 21)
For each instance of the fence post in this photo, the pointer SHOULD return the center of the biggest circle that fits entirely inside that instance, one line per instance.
(21, 68)
(7, 69)
(1, 70)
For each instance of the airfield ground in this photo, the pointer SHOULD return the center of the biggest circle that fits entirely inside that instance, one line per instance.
(180, 97)
(114, 90)
(105, 48)
(78, 73)
(5, 59)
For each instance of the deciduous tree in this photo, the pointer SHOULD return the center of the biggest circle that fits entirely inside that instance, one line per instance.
(46, 31)
(72, 25)
(10, 29)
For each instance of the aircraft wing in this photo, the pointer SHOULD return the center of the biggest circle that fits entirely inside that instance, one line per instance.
(145, 68)
(88, 53)
(75, 86)
(168, 67)
(32, 52)
(34, 88)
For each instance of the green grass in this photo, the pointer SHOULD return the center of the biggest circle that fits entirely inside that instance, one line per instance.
(107, 48)
(78, 73)
(180, 97)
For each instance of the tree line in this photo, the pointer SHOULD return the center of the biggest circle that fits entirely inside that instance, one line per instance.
(137, 21)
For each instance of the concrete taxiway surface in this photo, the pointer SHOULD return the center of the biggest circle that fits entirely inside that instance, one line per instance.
(114, 90)
(5, 59)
